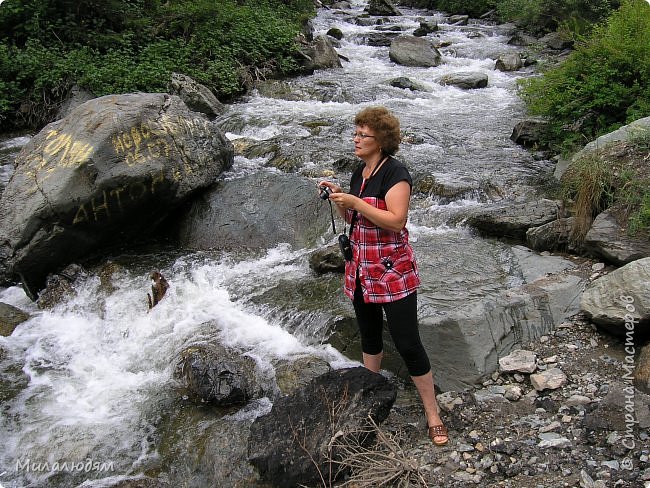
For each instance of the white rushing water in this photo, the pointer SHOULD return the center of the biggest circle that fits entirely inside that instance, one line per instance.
(96, 369)
(98, 363)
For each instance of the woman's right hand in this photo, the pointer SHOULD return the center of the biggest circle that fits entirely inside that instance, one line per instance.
(332, 186)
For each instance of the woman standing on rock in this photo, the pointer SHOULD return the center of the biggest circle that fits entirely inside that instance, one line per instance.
(381, 273)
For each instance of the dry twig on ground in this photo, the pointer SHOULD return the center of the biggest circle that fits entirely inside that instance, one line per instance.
(384, 463)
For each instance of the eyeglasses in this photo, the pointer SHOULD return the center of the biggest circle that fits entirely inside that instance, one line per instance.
(360, 135)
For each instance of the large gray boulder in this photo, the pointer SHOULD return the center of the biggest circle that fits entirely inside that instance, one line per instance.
(414, 51)
(501, 220)
(107, 173)
(196, 96)
(291, 445)
(383, 8)
(466, 345)
(606, 239)
(620, 300)
(258, 211)
(319, 54)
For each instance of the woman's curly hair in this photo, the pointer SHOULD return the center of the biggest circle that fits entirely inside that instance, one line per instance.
(386, 127)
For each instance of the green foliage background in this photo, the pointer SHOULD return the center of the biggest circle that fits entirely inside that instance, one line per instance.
(605, 82)
(534, 16)
(118, 46)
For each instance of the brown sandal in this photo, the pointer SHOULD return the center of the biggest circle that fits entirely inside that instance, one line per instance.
(438, 431)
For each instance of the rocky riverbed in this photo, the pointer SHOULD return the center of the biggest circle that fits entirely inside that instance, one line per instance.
(564, 419)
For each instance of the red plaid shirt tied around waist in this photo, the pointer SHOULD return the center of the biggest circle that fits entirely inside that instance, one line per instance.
(383, 260)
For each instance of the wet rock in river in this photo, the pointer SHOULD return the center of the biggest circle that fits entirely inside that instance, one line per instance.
(159, 286)
(509, 62)
(382, 8)
(327, 260)
(212, 374)
(502, 220)
(319, 54)
(409, 50)
(10, 318)
(465, 80)
(244, 213)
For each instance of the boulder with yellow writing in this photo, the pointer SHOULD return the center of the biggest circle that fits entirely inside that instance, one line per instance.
(108, 172)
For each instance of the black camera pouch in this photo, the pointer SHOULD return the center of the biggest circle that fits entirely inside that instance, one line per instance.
(346, 248)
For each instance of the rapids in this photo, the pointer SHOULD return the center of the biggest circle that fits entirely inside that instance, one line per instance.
(86, 384)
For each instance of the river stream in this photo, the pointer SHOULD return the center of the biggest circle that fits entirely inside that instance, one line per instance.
(83, 386)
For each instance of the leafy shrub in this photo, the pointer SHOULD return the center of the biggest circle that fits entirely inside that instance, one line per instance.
(473, 8)
(134, 45)
(602, 85)
(573, 16)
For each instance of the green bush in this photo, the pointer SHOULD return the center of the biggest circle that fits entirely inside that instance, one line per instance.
(119, 46)
(473, 8)
(575, 17)
(602, 85)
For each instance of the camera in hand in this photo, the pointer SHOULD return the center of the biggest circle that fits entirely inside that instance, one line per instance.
(325, 192)
(346, 248)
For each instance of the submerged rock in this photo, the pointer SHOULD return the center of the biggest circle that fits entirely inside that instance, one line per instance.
(10, 318)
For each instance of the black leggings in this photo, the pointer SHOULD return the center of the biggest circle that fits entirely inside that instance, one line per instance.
(402, 319)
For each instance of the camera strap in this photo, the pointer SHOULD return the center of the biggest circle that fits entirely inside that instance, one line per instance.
(363, 187)
(332, 216)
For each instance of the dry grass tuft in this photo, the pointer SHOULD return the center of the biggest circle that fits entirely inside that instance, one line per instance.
(384, 463)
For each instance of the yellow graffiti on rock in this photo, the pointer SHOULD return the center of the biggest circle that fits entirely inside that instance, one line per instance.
(109, 203)
(140, 144)
(57, 150)
(61, 150)
(151, 139)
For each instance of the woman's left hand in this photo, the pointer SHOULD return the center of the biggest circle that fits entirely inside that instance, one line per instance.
(343, 200)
